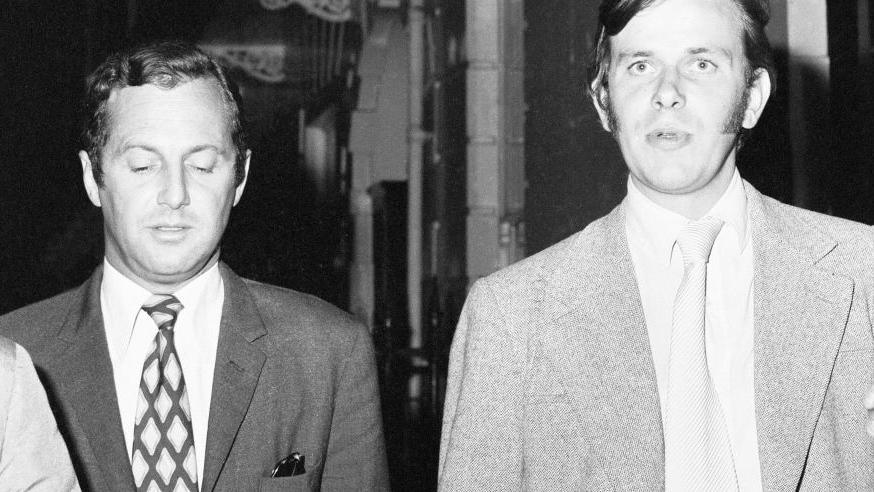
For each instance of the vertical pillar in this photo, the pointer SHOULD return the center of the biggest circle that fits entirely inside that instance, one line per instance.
(414, 162)
(809, 65)
(376, 144)
(361, 294)
(495, 126)
(514, 127)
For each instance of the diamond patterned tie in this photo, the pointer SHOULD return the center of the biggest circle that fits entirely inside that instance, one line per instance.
(697, 447)
(163, 456)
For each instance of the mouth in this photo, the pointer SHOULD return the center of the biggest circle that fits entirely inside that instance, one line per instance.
(169, 228)
(172, 233)
(668, 138)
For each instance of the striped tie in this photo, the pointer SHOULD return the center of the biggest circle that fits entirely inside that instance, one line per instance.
(163, 456)
(697, 447)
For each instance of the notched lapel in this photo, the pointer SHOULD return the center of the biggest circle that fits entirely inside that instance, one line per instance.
(237, 369)
(601, 350)
(800, 314)
(82, 367)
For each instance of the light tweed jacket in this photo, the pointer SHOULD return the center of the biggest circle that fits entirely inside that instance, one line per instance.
(33, 456)
(552, 385)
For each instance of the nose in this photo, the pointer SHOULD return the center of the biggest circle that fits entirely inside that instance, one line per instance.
(668, 92)
(174, 188)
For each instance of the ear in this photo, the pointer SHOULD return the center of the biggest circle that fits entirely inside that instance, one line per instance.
(759, 92)
(91, 186)
(600, 99)
(240, 187)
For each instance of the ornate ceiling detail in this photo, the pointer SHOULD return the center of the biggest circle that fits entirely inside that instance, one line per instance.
(264, 62)
(331, 10)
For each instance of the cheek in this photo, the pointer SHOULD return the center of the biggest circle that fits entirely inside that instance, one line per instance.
(217, 204)
(631, 109)
(116, 207)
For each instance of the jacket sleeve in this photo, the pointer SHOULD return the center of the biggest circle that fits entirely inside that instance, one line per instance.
(33, 455)
(481, 442)
(356, 458)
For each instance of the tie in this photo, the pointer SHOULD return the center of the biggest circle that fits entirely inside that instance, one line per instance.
(163, 447)
(697, 448)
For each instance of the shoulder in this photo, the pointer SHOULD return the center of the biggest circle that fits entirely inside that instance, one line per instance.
(805, 227)
(838, 245)
(16, 368)
(800, 220)
(30, 324)
(289, 314)
(8, 356)
(535, 288)
(582, 248)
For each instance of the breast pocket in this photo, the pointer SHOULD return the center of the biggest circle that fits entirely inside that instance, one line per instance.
(299, 482)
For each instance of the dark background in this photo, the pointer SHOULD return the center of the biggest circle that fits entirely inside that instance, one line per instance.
(282, 233)
(51, 234)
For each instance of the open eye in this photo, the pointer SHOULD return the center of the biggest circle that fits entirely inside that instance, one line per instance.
(702, 65)
(640, 67)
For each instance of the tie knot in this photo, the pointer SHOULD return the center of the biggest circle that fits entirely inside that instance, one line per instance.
(163, 308)
(696, 239)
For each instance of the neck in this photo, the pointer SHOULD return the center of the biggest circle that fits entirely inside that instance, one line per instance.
(162, 284)
(693, 204)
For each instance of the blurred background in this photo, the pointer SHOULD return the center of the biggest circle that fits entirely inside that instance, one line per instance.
(401, 150)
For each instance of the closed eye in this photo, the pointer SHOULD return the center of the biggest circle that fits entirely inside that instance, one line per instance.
(140, 160)
(203, 161)
(202, 166)
(141, 168)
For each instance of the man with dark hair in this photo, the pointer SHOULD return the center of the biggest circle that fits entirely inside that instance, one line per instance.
(167, 370)
(701, 336)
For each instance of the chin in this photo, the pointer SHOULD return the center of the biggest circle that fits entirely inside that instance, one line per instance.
(668, 182)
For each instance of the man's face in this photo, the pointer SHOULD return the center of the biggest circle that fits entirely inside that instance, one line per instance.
(676, 99)
(168, 182)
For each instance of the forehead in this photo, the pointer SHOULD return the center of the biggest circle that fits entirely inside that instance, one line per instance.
(682, 26)
(190, 109)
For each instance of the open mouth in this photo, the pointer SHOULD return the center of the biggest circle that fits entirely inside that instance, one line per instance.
(669, 134)
(668, 138)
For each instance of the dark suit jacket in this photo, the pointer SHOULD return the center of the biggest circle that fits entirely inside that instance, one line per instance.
(292, 374)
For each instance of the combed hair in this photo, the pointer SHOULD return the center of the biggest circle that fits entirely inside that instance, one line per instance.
(614, 15)
(164, 64)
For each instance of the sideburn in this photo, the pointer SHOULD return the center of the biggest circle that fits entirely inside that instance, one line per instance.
(734, 123)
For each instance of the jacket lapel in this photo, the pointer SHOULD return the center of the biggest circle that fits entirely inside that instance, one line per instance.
(601, 346)
(800, 314)
(82, 367)
(237, 369)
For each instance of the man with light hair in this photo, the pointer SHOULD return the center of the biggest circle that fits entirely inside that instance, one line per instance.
(701, 336)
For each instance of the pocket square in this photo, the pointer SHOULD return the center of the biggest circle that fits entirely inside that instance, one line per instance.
(290, 466)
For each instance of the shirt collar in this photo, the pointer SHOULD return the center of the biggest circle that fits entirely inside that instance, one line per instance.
(123, 300)
(657, 228)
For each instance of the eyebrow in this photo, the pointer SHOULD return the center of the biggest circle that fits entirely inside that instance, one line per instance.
(697, 51)
(149, 148)
(623, 55)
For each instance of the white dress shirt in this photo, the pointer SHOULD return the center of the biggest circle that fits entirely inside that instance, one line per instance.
(652, 232)
(129, 335)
